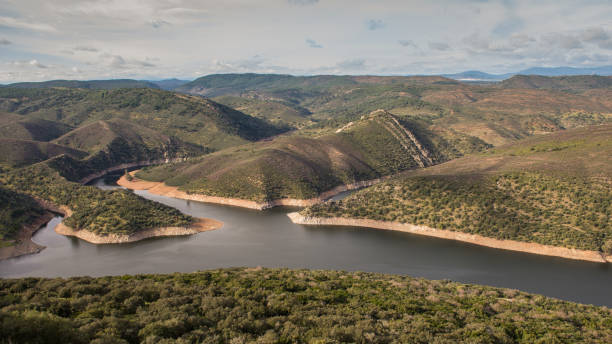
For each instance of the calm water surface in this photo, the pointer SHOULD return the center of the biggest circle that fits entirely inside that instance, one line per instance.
(269, 239)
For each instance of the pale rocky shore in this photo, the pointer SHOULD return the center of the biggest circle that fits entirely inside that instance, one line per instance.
(202, 225)
(512, 245)
(159, 188)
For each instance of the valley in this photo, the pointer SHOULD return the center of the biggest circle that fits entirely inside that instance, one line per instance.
(301, 172)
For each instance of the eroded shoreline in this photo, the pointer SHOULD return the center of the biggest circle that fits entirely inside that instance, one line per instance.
(202, 225)
(512, 245)
(160, 188)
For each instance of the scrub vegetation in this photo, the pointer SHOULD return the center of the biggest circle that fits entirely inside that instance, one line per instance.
(287, 306)
(553, 190)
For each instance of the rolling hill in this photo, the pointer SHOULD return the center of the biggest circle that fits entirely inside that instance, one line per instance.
(551, 189)
(189, 118)
(300, 167)
(278, 113)
(16, 153)
(56, 137)
(497, 114)
(27, 128)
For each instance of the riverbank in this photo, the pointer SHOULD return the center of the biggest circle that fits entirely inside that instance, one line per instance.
(24, 244)
(160, 188)
(534, 248)
(202, 225)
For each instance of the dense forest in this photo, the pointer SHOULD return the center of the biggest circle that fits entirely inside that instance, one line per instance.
(286, 306)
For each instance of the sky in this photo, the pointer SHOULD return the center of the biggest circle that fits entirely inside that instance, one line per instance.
(157, 39)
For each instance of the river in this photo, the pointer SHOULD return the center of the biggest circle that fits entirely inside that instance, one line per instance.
(269, 239)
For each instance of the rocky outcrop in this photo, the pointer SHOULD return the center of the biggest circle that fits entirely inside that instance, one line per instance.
(547, 250)
(405, 137)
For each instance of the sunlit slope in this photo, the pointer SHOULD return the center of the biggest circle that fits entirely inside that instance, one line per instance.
(498, 114)
(377, 145)
(553, 189)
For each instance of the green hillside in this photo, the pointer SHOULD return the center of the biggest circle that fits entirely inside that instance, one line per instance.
(189, 118)
(93, 130)
(552, 189)
(279, 113)
(114, 142)
(287, 306)
(88, 84)
(496, 114)
(23, 152)
(26, 128)
(300, 167)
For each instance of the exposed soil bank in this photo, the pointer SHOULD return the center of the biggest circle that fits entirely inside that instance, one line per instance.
(547, 250)
(202, 225)
(159, 188)
(24, 244)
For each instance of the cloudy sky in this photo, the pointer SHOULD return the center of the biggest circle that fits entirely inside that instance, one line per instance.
(101, 39)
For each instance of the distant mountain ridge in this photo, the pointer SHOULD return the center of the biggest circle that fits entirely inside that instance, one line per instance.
(476, 75)
(168, 84)
(88, 84)
(246, 81)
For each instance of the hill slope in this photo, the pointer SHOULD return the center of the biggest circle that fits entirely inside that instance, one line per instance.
(36, 129)
(279, 113)
(302, 167)
(191, 119)
(24, 152)
(553, 190)
(496, 114)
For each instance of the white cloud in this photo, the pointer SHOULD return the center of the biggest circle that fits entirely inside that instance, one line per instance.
(25, 24)
(438, 46)
(407, 43)
(375, 24)
(114, 38)
(37, 64)
(85, 49)
(313, 44)
(303, 2)
(157, 23)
